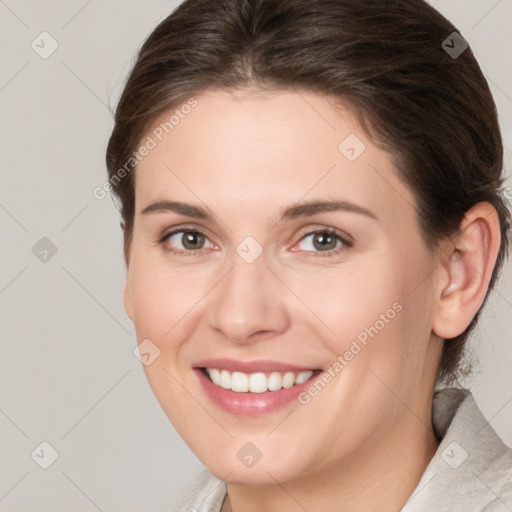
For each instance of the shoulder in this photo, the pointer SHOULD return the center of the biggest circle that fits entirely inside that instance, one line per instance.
(205, 494)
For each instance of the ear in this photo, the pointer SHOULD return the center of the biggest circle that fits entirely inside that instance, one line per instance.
(465, 268)
(127, 299)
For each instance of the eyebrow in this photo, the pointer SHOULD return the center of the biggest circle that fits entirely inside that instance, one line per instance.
(292, 212)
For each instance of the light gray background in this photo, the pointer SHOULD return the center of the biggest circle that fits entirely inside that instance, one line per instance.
(68, 373)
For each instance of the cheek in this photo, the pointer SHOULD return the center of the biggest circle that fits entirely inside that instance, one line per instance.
(351, 298)
(162, 307)
(162, 297)
(153, 306)
(380, 306)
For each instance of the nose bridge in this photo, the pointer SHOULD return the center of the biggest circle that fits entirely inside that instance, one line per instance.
(248, 299)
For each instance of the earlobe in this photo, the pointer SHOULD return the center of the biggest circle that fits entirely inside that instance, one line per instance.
(465, 270)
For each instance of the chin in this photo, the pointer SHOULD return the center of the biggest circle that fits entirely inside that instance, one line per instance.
(235, 466)
(257, 475)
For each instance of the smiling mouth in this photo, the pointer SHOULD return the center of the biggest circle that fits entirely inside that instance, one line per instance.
(259, 382)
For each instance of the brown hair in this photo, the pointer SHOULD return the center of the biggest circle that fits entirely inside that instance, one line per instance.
(432, 110)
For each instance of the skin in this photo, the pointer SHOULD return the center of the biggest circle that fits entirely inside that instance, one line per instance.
(364, 441)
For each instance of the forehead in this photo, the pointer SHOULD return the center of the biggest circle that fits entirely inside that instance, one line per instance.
(258, 151)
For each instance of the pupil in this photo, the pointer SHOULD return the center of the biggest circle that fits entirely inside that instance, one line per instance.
(191, 240)
(324, 237)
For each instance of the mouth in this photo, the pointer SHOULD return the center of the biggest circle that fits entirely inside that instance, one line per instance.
(253, 388)
(259, 382)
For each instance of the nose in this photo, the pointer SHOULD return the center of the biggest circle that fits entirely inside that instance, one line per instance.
(248, 304)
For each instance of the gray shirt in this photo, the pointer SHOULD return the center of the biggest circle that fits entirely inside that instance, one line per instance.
(470, 471)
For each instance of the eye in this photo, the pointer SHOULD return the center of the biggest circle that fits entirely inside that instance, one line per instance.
(327, 241)
(188, 242)
(191, 242)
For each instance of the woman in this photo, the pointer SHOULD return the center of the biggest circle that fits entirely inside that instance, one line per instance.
(311, 207)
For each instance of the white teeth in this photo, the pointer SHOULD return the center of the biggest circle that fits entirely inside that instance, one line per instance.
(224, 380)
(288, 380)
(239, 382)
(303, 377)
(274, 381)
(256, 382)
(215, 374)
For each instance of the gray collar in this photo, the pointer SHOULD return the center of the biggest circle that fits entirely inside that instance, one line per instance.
(472, 468)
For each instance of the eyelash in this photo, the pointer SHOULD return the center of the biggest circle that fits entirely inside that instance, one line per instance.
(347, 243)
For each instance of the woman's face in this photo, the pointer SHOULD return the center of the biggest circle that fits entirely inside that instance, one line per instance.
(262, 296)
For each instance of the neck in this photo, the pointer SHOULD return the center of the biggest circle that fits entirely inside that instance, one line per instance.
(378, 478)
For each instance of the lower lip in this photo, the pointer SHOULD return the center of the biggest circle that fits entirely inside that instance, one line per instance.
(251, 404)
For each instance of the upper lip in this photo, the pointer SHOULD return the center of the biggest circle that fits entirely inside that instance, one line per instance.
(265, 366)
